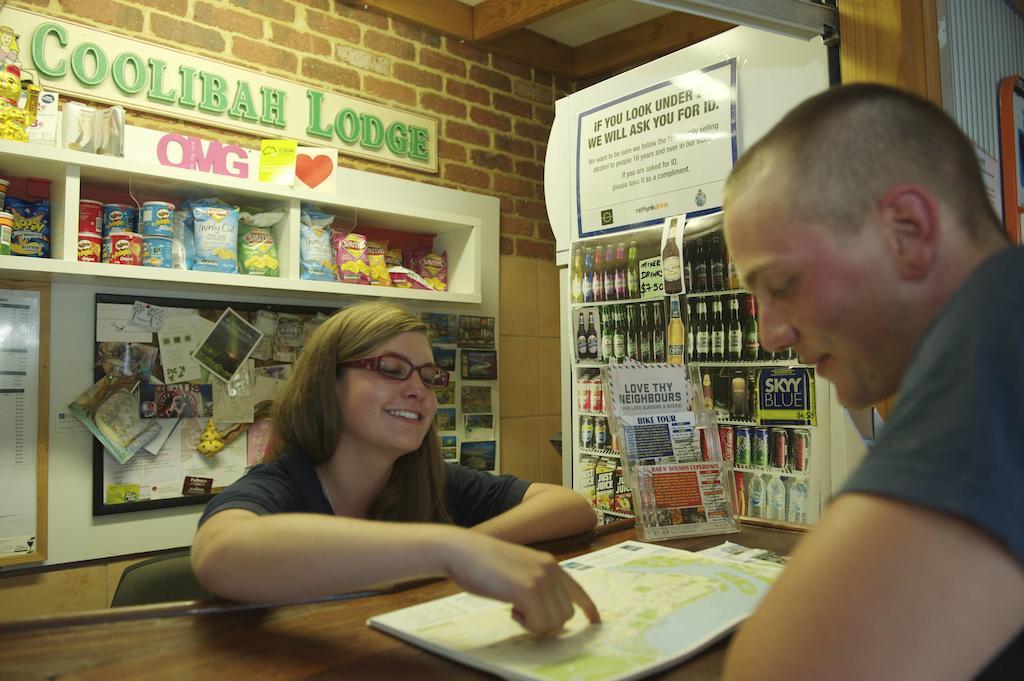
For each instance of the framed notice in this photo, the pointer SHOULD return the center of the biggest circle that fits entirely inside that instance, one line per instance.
(1011, 149)
(24, 381)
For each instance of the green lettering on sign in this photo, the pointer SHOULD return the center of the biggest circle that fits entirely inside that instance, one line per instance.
(397, 138)
(373, 132)
(346, 126)
(188, 94)
(273, 107)
(315, 128)
(419, 143)
(157, 67)
(243, 106)
(39, 49)
(117, 70)
(100, 64)
(215, 93)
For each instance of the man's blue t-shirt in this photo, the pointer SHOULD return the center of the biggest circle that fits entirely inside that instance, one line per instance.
(954, 442)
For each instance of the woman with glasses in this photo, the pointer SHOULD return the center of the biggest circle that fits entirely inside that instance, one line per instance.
(356, 493)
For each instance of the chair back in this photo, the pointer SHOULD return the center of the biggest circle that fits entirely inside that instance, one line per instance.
(161, 579)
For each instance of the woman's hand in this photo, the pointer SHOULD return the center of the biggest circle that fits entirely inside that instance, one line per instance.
(542, 594)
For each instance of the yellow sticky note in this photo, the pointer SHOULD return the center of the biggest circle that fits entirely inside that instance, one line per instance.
(277, 161)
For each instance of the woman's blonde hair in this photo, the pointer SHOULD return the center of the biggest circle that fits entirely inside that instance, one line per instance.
(307, 418)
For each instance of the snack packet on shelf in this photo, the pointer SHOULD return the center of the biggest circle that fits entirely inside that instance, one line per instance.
(375, 258)
(257, 248)
(433, 268)
(403, 277)
(215, 231)
(316, 259)
(350, 253)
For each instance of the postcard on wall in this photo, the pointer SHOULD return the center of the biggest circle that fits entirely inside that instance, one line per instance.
(446, 395)
(441, 328)
(178, 338)
(476, 399)
(228, 345)
(476, 332)
(445, 419)
(147, 317)
(175, 400)
(128, 360)
(478, 455)
(479, 427)
(444, 358)
(449, 446)
(480, 364)
(114, 324)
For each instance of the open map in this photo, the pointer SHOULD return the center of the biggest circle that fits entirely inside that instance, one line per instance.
(658, 606)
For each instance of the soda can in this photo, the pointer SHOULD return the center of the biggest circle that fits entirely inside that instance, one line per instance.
(778, 453)
(601, 432)
(587, 431)
(596, 393)
(799, 448)
(583, 393)
(759, 446)
(727, 437)
(742, 444)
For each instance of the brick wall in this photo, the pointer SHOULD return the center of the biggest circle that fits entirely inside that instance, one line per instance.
(494, 114)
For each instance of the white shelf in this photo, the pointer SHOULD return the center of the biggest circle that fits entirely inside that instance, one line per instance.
(593, 451)
(625, 301)
(752, 363)
(614, 514)
(775, 472)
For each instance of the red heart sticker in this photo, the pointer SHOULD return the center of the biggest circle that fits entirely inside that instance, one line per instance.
(313, 170)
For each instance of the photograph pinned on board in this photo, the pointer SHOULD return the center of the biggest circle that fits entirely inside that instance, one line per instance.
(175, 400)
(476, 332)
(441, 328)
(450, 447)
(479, 427)
(445, 395)
(444, 419)
(480, 365)
(228, 345)
(479, 456)
(476, 399)
(444, 358)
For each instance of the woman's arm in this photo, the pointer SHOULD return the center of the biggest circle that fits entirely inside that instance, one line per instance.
(546, 512)
(290, 556)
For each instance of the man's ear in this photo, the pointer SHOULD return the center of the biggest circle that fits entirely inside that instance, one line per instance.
(910, 218)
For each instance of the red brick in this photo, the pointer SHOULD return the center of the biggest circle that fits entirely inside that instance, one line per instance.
(336, 77)
(506, 204)
(532, 91)
(436, 60)
(286, 36)
(513, 145)
(261, 53)
(539, 133)
(210, 15)
(488, 159)
(567, 85)
(516, 225)
(317, 4)
(544, 230)
(417, 33)
(466, 175)
(506, 246)
(530, 170)
(108, 12)
(510, 184)
(490, 119)
(543, 78)
(389, 90)
(545, 115)
(443, 105)
(275, 9)
(516, 107)
(329, 25)
(414, 76)
(510, 67)
(467, 51)
(541, 150)
(535, 249)
(381, 42)
(470, 134)
(490, 78)
(175, 7)
(470, 93)
(182, 33)
(451, 151)
(359, 15)
(532, 209)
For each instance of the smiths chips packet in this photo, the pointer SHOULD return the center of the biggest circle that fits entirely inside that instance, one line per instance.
(375, 258)
(350, 252)
(257, 250)
(316, 260)
(433, 268)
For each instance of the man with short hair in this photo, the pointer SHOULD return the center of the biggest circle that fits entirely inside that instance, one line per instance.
(861, 224)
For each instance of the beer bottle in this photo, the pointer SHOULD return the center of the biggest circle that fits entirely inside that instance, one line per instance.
(581, 340)
(633, 271)
(598, 275)
(607, 335)
(687, 261)
(646, 344)
(676, 332)
(577, 277)
(588, 276)
(700, 268)
(692, 336)
(591, 337)
(621, 289)
(632, 334)
(703, 342)
(670, 262)
(751, 341)
(619, 336)
(716, 270)
(734, 331)
(732, 275)
(717, 331)
(658, 333)
(609, 273)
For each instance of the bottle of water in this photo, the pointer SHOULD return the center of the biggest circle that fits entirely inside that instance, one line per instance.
(776, 506)
(797, 503)
(756, 497)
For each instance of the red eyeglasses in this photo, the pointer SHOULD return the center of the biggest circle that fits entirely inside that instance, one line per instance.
(398, 368)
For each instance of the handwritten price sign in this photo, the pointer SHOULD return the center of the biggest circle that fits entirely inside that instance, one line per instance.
(652, 285)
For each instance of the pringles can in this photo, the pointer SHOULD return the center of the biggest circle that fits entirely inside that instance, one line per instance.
(89, 246)
(156, 251)
(157, 219)
(90, 216)
(118, 217)
(125, 248)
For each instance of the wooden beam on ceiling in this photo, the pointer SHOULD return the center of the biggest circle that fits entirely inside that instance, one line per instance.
(450, 17)
(493, 19)
(539, 51)
(644, 42)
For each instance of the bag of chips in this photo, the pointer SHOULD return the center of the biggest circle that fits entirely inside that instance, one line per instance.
(375, 252)
(316, 260)
(433, 268)
(257, 249)
(182, 243)
(215, 231)
(30, 234)
(350, 252)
